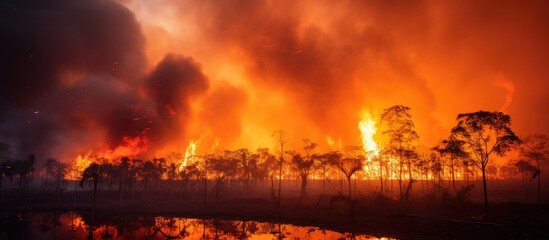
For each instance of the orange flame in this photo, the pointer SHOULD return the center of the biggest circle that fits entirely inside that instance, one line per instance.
(80, 163)
(368, 129)
(190, 154)
(130, 147)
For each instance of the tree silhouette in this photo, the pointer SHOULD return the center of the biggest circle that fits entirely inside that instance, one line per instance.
(437, 168)
(24, 170)
(534, 147)
(402, 139)
(109, 175)
(55, 172)
(189, 173)
(92, 173)
(382, 160)
(323, 165)
(526, 169)
(455, 150)
(248, 164)
(267, 167)
(124, 175)
(221, 167)
(347, 165)
(151, 173)
(281, 138)
(303, 167)
(485, 133)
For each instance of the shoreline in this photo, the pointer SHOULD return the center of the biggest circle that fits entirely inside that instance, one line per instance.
(415, 221)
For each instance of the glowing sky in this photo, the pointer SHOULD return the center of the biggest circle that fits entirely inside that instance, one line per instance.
(232, 72)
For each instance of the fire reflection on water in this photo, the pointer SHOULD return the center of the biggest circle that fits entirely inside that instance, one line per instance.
(71, 225)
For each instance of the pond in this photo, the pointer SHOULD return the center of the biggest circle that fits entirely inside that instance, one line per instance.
(72, 225)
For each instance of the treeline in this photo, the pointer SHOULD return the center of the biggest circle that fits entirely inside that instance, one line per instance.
(466, 155)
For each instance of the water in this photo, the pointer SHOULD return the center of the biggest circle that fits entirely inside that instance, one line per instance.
(71, 225)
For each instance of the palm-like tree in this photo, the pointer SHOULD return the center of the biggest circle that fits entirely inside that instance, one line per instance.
(92, 173)
(347, 165)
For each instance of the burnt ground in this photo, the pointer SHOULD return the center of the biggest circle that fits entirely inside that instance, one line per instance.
(423, 219)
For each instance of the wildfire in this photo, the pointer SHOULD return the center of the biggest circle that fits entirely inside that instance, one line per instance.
(190, 153)
(368, 129)
(130, 147)
(80, 163)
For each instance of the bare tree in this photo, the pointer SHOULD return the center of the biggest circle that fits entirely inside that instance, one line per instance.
(484, 134)
(534, 147)
(281, 138)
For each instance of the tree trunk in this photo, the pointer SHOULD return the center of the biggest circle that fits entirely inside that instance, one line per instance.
(453, 175)
(400, 176)
(410, 180)
(303, 187)
(539, 182)
(485, 190)
(279, 184)
(400, 188)
(205, 190)
(349, 181)
(272, 185)
(93, 204)
(380, 180)
(340, 182)
(323, 184)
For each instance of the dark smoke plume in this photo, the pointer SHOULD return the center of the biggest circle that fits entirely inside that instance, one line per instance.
(74, 80)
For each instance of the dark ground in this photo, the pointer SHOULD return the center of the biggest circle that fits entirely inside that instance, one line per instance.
(380, 217)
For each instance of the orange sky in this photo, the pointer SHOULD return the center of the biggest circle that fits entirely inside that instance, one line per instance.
(310, 67)
(230, 73)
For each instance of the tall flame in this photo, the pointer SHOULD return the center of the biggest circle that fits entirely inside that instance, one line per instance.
(368, 129)
(80, 163)
(190, 153)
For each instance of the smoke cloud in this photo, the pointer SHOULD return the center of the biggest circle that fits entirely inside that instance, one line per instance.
(75, 80)
(320, 63)
(82, 75)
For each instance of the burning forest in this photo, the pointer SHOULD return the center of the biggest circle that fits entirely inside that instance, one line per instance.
(274, 119)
